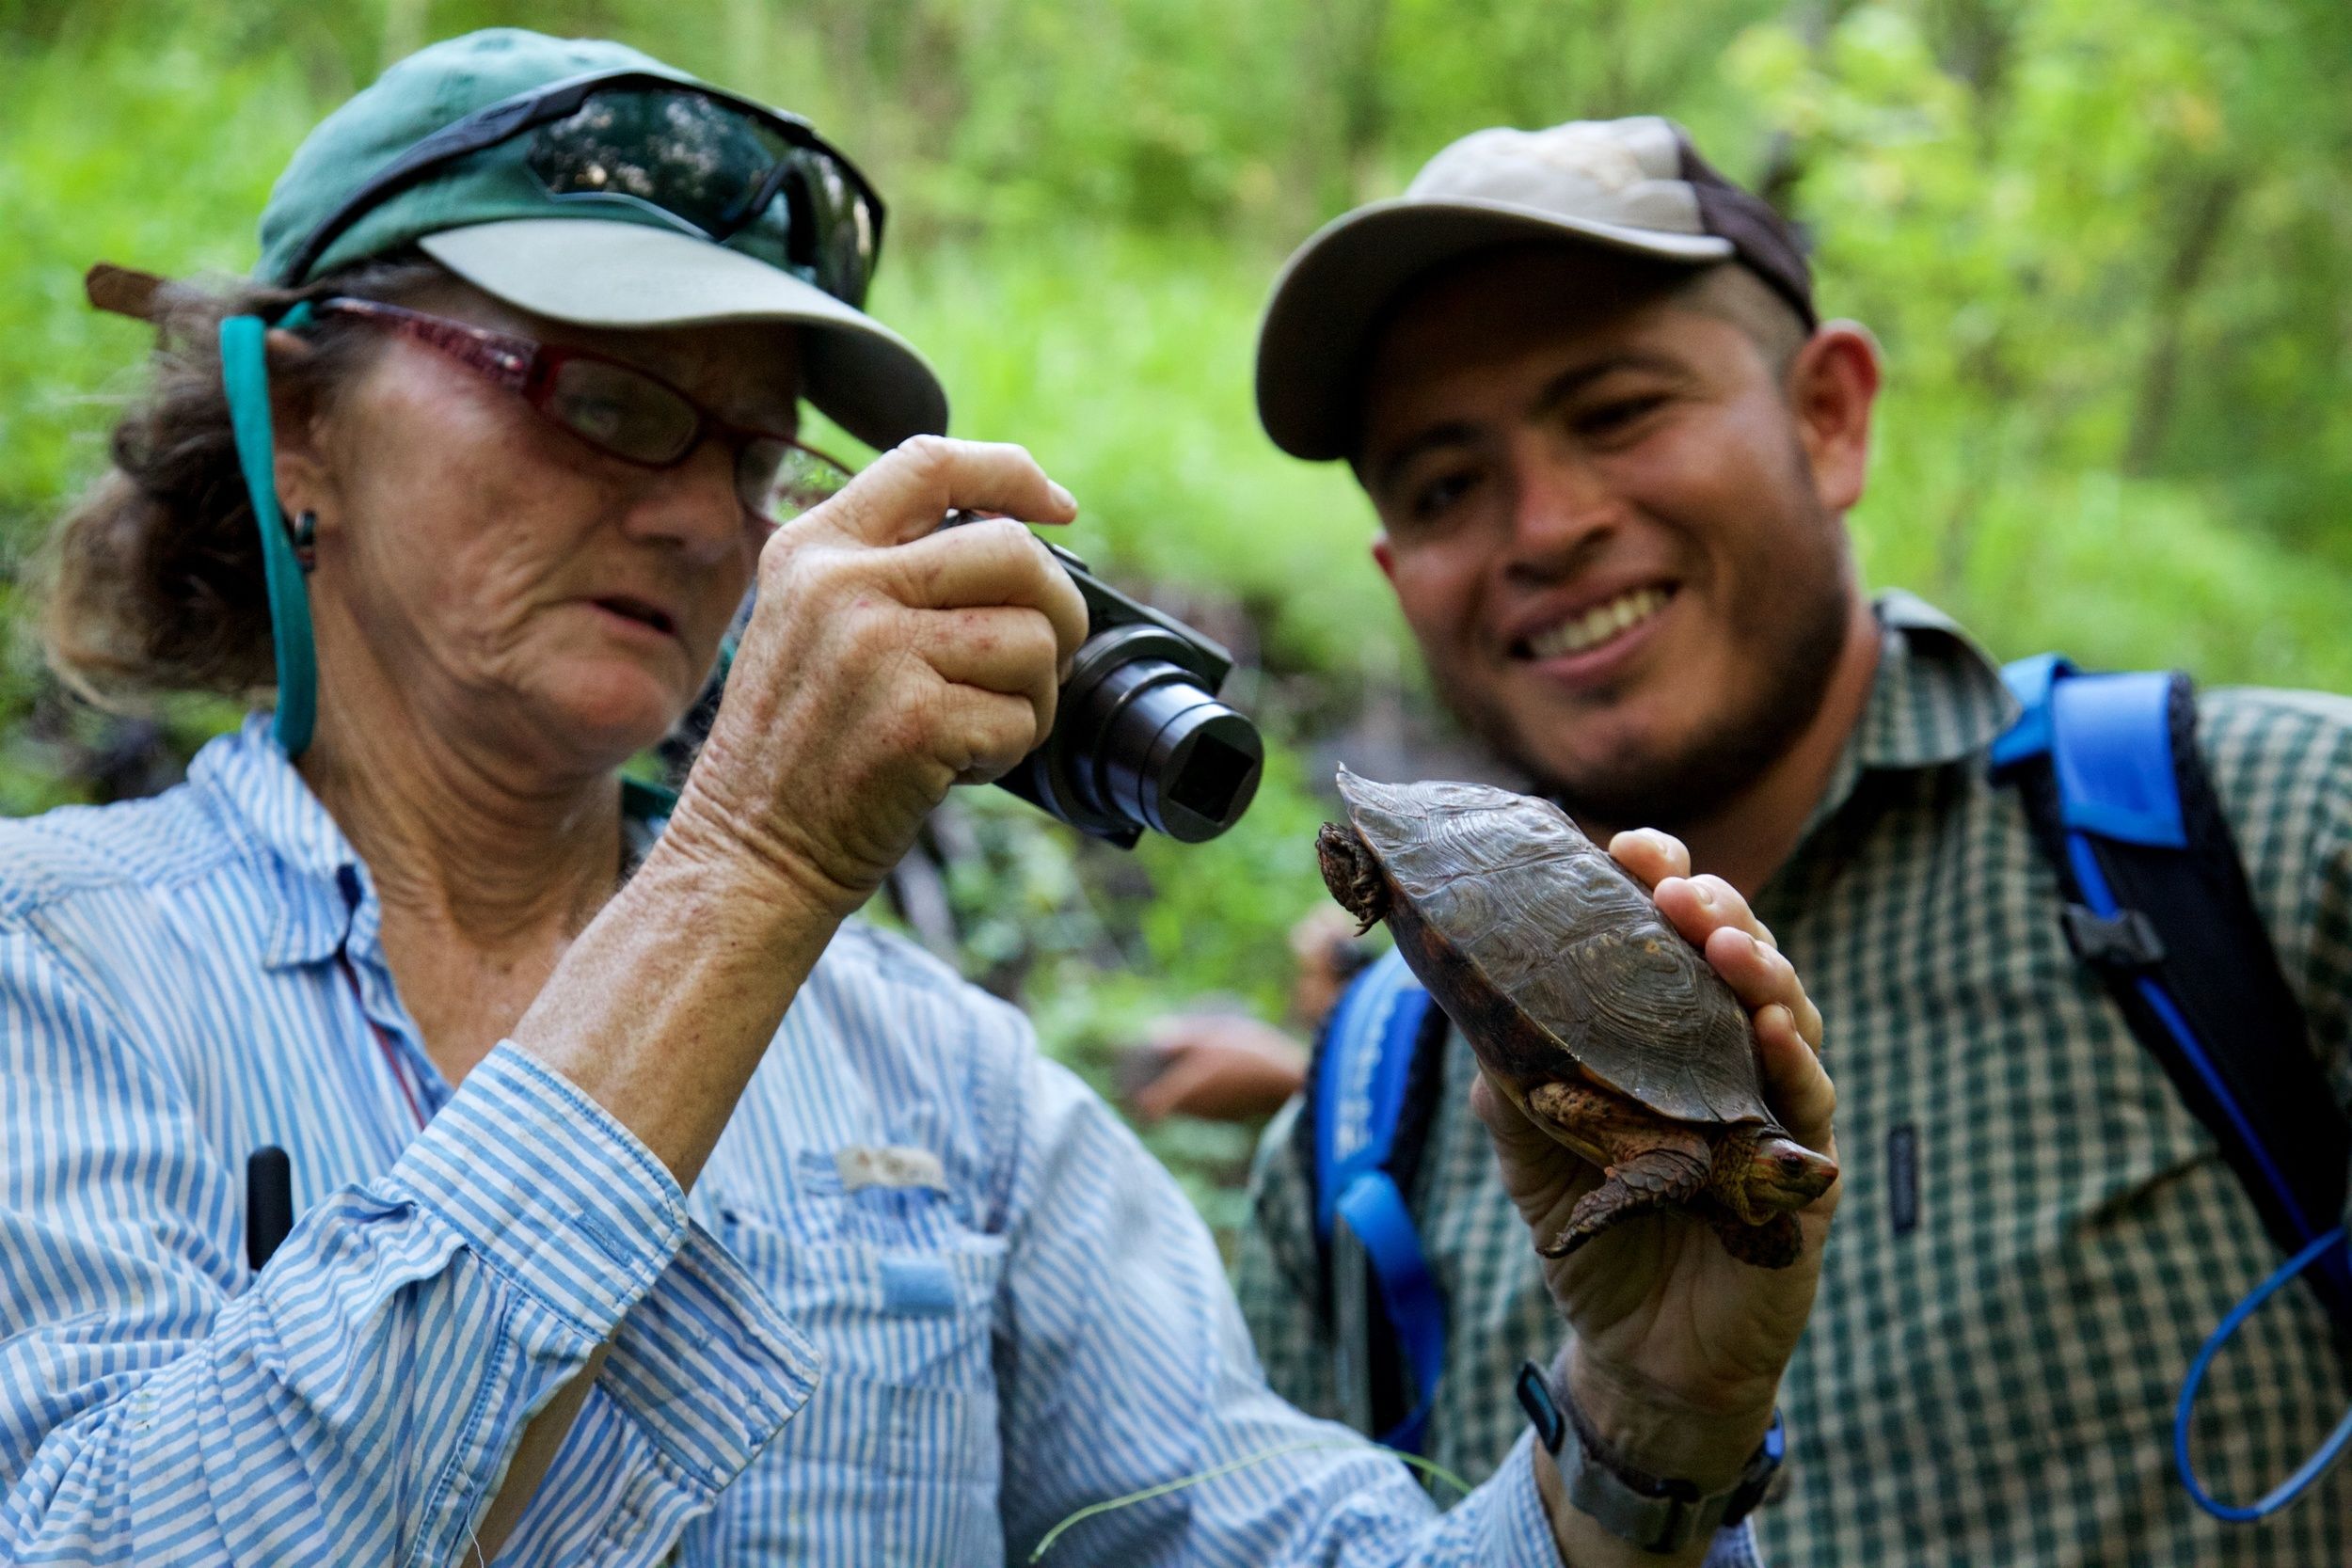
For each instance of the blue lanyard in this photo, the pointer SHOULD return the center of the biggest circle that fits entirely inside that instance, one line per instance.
(245, 380)
(2311, 1468)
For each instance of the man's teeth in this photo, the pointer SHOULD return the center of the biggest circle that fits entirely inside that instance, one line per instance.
(1597, 625)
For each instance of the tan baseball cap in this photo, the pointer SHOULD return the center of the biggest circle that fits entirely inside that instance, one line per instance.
(1627, 185)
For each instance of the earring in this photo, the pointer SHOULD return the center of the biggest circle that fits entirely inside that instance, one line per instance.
(306, 540)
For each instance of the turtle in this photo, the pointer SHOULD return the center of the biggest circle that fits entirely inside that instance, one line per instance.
(1585, 1008)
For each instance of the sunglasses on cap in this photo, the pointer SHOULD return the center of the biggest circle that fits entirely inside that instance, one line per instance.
(734, 173)
(616, 408)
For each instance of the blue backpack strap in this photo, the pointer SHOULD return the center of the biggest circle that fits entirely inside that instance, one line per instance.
(1361, 1105)
(2030, 681)
(1360, 1077)
(2158, 904)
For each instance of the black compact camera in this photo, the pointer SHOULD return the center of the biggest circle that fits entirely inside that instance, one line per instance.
(1139, 739)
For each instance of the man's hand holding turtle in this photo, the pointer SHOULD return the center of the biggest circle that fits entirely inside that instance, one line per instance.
(1678, 1346)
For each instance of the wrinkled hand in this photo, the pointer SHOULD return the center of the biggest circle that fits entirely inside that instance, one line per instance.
(885, 660)
(1678, 1349)
(1225, 1066)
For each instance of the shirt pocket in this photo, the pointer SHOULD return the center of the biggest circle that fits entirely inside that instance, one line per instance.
(899, 1292)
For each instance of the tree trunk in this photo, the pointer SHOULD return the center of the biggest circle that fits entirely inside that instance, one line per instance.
(2208, 210)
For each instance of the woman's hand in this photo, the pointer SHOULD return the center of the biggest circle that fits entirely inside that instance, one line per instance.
(1678, 1349)
(885, 660)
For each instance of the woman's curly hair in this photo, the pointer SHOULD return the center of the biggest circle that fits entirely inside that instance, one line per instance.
(154, 578)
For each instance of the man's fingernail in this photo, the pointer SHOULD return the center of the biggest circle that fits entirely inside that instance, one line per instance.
(1062, 498)
(1706, 894)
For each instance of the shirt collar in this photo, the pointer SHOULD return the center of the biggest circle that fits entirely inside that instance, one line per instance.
(1936, 699)
(326, 901)
(323, 888)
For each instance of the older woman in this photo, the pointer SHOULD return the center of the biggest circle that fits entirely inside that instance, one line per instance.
(600, 1251)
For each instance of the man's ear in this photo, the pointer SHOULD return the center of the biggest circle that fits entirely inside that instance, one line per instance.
(1831, 385)
(1384, 556)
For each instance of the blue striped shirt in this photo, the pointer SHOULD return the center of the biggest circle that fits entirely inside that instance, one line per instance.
(928, 1298)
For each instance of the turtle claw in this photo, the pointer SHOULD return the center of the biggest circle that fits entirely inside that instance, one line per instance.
(1571, 1237)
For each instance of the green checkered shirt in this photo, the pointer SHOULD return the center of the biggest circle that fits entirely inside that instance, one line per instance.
(1991, 1370)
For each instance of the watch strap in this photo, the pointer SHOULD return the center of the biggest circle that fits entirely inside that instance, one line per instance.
(1657, 1513)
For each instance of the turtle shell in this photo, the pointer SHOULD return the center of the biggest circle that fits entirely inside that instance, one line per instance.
(1548, 956)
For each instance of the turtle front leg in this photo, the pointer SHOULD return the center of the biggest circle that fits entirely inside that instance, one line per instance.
(1662, 1165)
(1653, 1179)
(1773, 1244)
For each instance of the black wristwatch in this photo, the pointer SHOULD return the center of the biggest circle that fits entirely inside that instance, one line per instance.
(1654, 1512)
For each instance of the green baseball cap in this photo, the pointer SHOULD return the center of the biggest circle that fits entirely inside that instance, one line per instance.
(589, 258)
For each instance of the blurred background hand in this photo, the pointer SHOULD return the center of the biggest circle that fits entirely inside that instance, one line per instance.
(1224, 1067)
(1223, 1063)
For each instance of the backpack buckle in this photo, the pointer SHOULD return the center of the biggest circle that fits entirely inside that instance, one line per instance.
(2124, 939)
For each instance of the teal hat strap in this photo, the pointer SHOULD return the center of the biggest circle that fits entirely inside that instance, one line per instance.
(245, 377)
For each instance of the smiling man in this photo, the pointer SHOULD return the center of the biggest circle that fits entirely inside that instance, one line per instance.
(1676, 615)
(1611, 445)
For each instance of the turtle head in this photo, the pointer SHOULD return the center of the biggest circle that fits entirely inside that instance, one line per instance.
(1352, 873)
(1780, 1174)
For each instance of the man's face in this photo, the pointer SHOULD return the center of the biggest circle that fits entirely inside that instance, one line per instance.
(1601, 521)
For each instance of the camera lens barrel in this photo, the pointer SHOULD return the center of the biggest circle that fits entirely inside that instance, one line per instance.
(1142, 745)
(1169, 755)
(1141, 742)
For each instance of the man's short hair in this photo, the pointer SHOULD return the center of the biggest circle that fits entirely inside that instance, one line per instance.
(1730, 292)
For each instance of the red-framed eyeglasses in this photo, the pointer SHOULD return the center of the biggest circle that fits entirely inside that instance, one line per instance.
(618, 408)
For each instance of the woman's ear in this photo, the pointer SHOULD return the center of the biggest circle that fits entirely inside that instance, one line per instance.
(1831, 385)
(301, 473)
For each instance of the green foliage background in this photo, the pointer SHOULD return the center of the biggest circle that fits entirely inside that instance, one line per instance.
(2106, 245)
